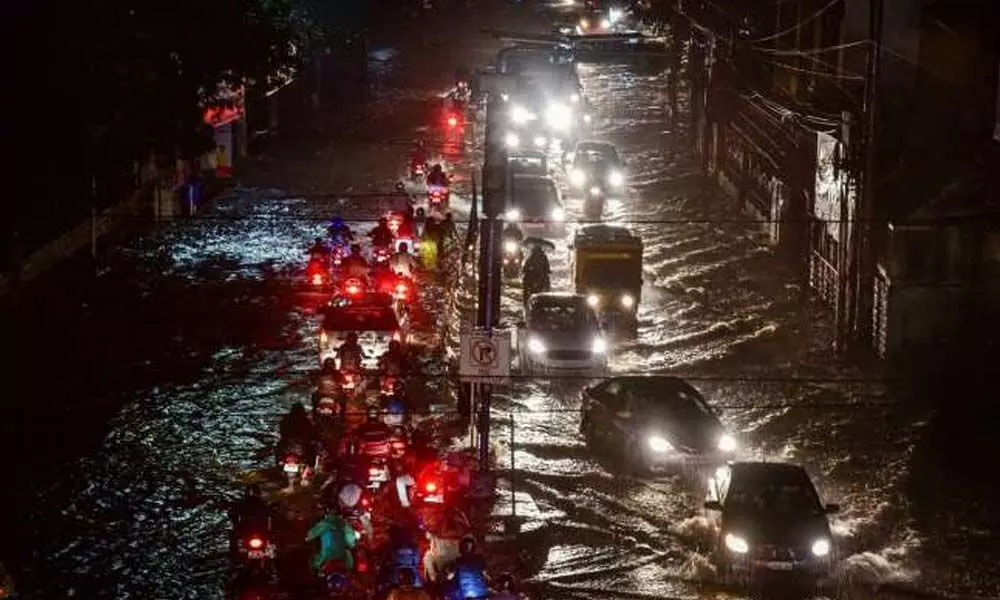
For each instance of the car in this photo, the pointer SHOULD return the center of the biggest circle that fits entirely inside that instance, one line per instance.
(654, 422)
(771, 523)
(536, 204)
(528, 163)
(561, 333)
(374, 318)
(596, 167)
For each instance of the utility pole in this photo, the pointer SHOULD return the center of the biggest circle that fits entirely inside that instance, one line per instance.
(863, 256)
(844, 167)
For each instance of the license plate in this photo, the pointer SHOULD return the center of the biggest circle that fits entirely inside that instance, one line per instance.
(380, 477)
(436, 498)
(778, 565)
(291, 468)
(260, 554)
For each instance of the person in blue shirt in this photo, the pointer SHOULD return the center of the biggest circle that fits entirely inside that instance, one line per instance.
(399, 554)
(470, 581)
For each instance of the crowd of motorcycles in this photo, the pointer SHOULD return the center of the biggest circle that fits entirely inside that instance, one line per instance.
(395, 509)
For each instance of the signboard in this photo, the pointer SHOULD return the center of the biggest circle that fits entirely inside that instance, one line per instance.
(485, 356)
(222, 157)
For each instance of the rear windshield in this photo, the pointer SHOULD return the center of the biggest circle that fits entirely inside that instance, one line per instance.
(535, 197)
(360, 318)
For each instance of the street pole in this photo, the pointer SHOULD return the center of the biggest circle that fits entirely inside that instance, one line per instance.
(93, 218)
(865, 206)
(844, 272)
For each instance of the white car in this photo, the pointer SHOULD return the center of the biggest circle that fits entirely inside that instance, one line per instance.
(373, 319)
(561, 333)
(537, 205)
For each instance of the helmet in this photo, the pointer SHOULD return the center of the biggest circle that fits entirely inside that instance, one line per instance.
(338, 223)
(356, 249)
(251, 491)
(349, 495)
(372, 413)
(467, 545)
(352, 338)
(404, 247)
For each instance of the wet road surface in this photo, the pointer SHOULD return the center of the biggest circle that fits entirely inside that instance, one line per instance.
(196, 331)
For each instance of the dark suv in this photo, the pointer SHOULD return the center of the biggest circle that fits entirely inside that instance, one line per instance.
(771, 523)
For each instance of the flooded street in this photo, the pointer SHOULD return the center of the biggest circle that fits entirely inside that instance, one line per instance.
(188, 349)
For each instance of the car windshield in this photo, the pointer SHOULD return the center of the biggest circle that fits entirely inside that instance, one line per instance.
(789, 493)
(528, 164)
(535, 198)
(561, 315)
(609, 270)
(360, 318)
(669, 398)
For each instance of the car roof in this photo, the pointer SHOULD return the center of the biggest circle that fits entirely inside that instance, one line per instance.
(560, 296)
(751, 469)
(594, 145)
(605, 231)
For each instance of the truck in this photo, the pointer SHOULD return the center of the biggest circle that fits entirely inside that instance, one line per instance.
(606, 262)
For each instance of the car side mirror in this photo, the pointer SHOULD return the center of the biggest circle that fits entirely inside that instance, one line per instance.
(831, 509)
(713, 505)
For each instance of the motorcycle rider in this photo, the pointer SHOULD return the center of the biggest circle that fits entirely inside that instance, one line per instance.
(340, 233)
(394, 362)
(400, 553)
(355, 265)
(373, 435)
(319, 251)
(470, 581)
(382, 235)
(535, 276)
(403, 263)
(445, 536)
(512, 231)
(350, 354)
(437, 177)
(419, 155)
(407, 588)
(296, 426)
(349, 469)
(337, 540)
(329, 383)
(250, 514)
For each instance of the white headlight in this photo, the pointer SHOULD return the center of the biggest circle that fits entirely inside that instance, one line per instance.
(587, 118)
(628, 301)
(558, 214)
(593, 300)
(510, 246)
(605, 24)
(600, 346)
(737, 544)
(559, 116)
(504, 97)
(727, 443)
(659, 444)
(511, 140)
(520, 115)
(595, 191)
(539, 141)
(535, 346)
(821, 548)
(513, 214)
(616, 179)
(578, 177)
(584, 24)
(574, 98)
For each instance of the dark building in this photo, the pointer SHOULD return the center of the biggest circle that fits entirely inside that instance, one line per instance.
(864, 134)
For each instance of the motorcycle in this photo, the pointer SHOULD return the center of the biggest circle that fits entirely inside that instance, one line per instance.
(438, 197)
(317, 272)
(353, 287)
(257, 551)
(296, 468)
(418, 170)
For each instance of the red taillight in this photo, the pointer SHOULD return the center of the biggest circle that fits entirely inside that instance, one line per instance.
(401, 288)
(317, 279)
(291, 460)
(362, 566)
(352, 290)
(452, 121)
(431, 487)
(255, 543)
(364, 502)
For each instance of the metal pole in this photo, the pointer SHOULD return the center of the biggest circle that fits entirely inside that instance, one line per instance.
(844, 235)
(93, 217)
(513, 494)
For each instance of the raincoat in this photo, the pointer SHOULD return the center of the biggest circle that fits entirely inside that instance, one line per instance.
(336, 538)
(429, 251)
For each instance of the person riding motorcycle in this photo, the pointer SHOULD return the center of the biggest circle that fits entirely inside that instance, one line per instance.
(512, 231)
(535, 277)
(337, 540)
(419, 155)
(396, 407)
(437, 177)
(382, 235)
(403, 263)
(408, 588)
(373, 435)
(350, 354)
(470, 581)
(250, 514)
(355, 265)
(296, 426)
(394, 362)
(400, 553)
(340, 233)
(329, 384)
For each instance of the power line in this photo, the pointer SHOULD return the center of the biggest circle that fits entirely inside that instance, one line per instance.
(812, 72)
(797, 26)
(814, 51)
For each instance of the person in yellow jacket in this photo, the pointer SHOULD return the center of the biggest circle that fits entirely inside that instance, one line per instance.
(406, 590)
(429, 250)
